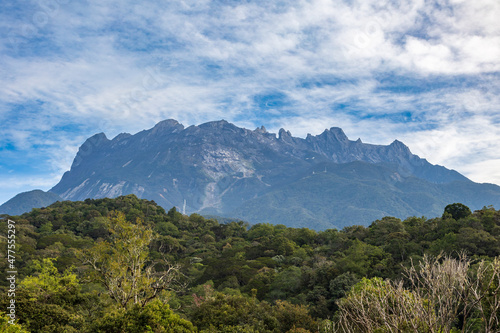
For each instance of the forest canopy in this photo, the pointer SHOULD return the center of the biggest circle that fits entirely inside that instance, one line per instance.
(127, 265)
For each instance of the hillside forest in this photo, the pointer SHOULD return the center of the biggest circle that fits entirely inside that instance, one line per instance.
(128, 265)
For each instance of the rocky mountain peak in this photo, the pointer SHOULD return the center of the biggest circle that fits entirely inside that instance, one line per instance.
(337, 134)
(167, 126)
(216, 124)
(219, 168)
(400, 147)
(284, 135)
(89, 146)
(97, 139)
(261, 129)
(121, 137)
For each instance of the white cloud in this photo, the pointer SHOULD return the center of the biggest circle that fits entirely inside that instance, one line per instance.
(118, 66)
(12, 185)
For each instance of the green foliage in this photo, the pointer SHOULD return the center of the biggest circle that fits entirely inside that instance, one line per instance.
(375, 305)
(120, 263)
(246, 314)
(222, 311)
(262, 276)
(51, 301)
(341, 284)
(49, 281)
(457, 211)
(286, 283)
(153, 317)
(442, 294)
(230, 329)
(7, 327)
(293, 318)
(365, 260)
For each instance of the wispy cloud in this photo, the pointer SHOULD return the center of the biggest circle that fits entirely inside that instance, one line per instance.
(425, 72)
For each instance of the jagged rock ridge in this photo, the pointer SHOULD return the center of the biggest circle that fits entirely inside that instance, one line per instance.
(219, 168)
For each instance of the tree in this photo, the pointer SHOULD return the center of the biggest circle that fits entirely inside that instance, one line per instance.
(457, 211)
(49, 281)
(153, 317)
(233, 313)
(445, 295)
(119, 263)
(364, 259)
(293, 317)
(455, 290)
(261, 230)
(50, 301)
(375, 305)
(286, 283)
(7, 327)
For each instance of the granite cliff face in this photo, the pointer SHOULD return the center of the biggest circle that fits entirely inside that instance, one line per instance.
(218, 168)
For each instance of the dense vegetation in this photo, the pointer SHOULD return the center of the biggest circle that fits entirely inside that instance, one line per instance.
(126, 265)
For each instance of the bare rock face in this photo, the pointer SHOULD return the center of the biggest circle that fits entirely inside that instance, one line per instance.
(218, 168)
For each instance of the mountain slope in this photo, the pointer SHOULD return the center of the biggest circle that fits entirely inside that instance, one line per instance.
(345, 194)
(219, 168)
(26, 201)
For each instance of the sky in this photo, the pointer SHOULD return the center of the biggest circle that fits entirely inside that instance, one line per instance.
(424, 72)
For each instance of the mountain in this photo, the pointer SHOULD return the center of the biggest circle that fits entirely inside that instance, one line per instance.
(218, 168)
(26, 201)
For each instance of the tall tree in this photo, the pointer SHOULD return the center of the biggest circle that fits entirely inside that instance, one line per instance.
(457, 211)
(121, 264)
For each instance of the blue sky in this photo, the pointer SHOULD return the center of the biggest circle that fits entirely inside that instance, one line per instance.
(424, 72)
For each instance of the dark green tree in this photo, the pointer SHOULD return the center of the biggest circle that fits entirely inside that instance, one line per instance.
(457, 211)
(153, 317)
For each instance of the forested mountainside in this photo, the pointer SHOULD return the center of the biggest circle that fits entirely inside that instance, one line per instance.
(26, 201)
(319, 182)
(127, 265)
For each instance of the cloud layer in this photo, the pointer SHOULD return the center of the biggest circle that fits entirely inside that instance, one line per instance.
(424, 72)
